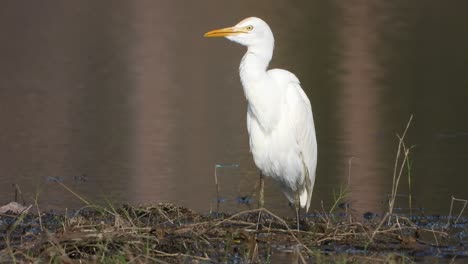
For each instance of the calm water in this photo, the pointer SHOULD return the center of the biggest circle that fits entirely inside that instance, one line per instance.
(127, 101)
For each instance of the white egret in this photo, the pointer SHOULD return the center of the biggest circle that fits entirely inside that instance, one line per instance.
(279, 114)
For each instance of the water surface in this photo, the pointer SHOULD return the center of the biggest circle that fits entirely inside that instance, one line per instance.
(126, 101)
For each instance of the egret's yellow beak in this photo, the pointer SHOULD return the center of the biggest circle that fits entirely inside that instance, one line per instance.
(223, 32)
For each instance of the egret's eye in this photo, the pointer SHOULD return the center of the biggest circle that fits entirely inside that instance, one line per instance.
(249, 28)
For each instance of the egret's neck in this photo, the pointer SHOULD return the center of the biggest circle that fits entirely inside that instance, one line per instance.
(255, 62)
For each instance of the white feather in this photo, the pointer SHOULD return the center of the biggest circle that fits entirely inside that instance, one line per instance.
(279, 114)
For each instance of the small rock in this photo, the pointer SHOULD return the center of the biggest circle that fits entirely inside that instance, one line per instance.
(13, 207)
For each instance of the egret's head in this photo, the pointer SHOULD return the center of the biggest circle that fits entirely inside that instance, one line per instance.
(249, 32)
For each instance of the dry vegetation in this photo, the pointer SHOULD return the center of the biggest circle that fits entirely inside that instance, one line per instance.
(169, 234)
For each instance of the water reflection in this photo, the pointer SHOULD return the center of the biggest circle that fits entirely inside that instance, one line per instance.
(133, 97)
(358, 102)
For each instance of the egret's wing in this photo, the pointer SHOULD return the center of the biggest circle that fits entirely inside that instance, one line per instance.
(299, 114)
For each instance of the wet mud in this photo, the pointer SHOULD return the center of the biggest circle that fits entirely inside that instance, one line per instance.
(167, 233)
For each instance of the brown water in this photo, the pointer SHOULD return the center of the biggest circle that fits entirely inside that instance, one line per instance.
(130, 95)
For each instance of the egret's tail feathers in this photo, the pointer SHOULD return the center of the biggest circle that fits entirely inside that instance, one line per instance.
(304, 199)
(306, 194)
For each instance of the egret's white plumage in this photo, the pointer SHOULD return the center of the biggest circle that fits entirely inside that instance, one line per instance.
(279, 114)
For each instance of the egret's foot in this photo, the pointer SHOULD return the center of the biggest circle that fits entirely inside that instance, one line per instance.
(297, 206)
(261, 200)
(298, 218)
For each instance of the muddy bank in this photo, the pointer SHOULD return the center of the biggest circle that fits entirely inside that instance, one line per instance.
(167, 233)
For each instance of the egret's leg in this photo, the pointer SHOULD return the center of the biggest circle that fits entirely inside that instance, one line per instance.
(260, 196)
(297, 206)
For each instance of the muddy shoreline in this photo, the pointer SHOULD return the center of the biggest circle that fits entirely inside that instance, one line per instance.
(166, 233)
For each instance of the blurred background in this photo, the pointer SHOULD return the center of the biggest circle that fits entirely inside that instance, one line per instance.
(126, 101)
